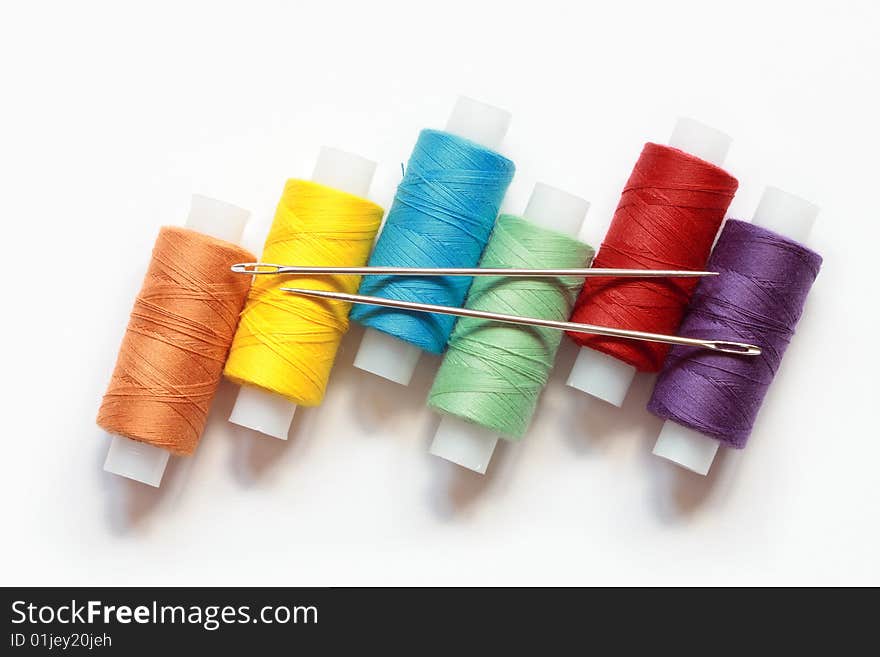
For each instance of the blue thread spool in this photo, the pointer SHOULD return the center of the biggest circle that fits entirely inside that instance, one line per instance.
(442, 216)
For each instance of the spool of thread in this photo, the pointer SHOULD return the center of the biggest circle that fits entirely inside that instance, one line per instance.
(442, 216)
(667, 218)
(285, 345)
(765, 274)
(172, 354)
(493, 373)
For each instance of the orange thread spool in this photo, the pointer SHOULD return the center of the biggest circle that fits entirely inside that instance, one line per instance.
(178, 336)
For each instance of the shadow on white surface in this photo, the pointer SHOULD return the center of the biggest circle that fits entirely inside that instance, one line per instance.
(677, 494)
(377, 402)
(378, 405)
(591, 425)
(455, 490)
(254, 456)
(129, 503)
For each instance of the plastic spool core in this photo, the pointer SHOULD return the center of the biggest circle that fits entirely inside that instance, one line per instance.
(700, 140)
(783, 213)
(141, 461)
(264, 411)
(383, 354)
(471, 445)
(481, 123)
(604, 376)
(216, 218)
(786, 214)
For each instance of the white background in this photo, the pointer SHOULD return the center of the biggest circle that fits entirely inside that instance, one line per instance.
(113, 115)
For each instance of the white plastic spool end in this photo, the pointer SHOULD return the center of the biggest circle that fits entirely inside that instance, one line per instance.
(786, 214)
(783, 213)
(700, 140)
(481, 123)
(688, 448)
(556, 209)
(601, 376)
(140, 461)
(464, 443)
(216, 218)
(344, 171)
(386, 356)
(264, 411)
(136, 460)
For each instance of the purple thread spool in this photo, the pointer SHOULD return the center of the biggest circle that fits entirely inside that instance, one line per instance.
(765, 275)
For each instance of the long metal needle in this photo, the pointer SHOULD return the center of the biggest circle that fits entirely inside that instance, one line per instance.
(739, 348)
(260, 268)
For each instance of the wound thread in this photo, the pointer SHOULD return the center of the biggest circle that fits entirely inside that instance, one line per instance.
(493, 373)
(758, 297)
(286, 344)
(667, 218)
(442, 216)
(178, 336)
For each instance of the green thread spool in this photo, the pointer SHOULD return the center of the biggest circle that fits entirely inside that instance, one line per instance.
(493, 373)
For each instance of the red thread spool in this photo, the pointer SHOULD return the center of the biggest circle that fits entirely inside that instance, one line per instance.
(669, 213)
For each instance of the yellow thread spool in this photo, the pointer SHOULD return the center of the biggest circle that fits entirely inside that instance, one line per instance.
(286, 344)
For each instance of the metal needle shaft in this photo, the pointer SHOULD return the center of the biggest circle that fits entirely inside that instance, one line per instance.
(260, 268)
(739, 348)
